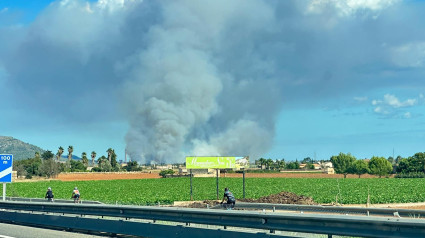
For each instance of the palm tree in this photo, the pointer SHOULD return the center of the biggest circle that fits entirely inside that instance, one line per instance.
(269, 163)
(60, 152)
(110, 152)
(84, 159)
(262, 162)
(70, 150)
(93, 156)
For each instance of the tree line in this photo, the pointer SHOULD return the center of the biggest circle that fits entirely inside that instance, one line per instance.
(410, 167)
(50, 165)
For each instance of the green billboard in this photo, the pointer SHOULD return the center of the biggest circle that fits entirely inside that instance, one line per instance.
(204, 162)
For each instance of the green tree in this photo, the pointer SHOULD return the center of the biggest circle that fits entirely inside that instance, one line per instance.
(380, 166)
(47, 155)
(307, 160)
(342, 163)
(31, 166)
(398, 159)
(77, 166)
(403, 166)
(59, 153)
(110, 151)
(20, 170)
(164, 173)
(262, 162)
(70, 150)
(293, 165)
(281, 164)
(269, 163)
(359, 167)
(132, 166)
(50, 168)
(93, 157)
(114, 162)
(417, 163)
(103, 164)
(84, 159)
(391, 160)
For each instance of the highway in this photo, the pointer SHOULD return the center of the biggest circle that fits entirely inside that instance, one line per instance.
(16, 231)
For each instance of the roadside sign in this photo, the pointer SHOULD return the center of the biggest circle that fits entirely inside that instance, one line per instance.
(6, 163)
(203, 162)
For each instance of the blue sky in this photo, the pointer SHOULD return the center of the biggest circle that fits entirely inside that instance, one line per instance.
(296, 79)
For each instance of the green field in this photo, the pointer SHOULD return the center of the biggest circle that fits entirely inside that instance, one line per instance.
(165, 191)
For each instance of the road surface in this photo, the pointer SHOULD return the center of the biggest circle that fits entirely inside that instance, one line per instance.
(17, 231)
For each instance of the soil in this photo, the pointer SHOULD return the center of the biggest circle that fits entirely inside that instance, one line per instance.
(203, 204)
(280, 198)
(153, 175)
(283, 198)
(293, 175)
(105, 176)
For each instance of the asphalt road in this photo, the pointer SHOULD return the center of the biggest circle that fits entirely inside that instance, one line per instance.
(16, 231)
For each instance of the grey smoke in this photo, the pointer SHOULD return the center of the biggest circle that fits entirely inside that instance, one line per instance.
(202, 78)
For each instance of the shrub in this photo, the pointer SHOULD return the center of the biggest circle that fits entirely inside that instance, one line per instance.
(410, 175)
(164, 173)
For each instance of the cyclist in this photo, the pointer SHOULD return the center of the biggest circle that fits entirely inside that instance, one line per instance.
(76, 195)
(49, 195)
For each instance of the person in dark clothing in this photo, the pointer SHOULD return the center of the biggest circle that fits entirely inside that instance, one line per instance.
(231, 200)
(49, 195)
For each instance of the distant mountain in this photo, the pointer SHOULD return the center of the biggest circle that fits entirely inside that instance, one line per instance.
(19, 149)
(74, 157)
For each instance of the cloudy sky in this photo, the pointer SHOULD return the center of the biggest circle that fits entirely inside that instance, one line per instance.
(168, 79)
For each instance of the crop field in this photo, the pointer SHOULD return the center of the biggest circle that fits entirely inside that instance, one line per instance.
(166, 191)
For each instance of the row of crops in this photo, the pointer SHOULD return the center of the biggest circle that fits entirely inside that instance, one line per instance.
(166, 191)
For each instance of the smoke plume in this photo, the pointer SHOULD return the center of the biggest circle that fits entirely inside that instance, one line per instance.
(196, 77)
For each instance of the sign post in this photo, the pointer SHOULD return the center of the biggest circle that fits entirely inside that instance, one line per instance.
(204, 162)
(6, 165)
(216, 181)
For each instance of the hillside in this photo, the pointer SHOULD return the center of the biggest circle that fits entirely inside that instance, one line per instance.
(19, 149)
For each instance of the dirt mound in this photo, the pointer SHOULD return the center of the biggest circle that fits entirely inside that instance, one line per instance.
(203, 204)
(283, 198)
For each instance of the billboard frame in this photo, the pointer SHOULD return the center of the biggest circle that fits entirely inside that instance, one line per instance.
(207, 162)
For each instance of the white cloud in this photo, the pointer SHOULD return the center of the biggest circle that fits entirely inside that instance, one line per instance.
(394, 102)
(349, 7)
(407, 115)
(360, 99)
(4, 10)
(391, 105)
(409, 55)
(113, 5)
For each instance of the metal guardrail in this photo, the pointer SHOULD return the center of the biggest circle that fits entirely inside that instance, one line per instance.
(411, 213)
(20, 199)
(310, 223)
